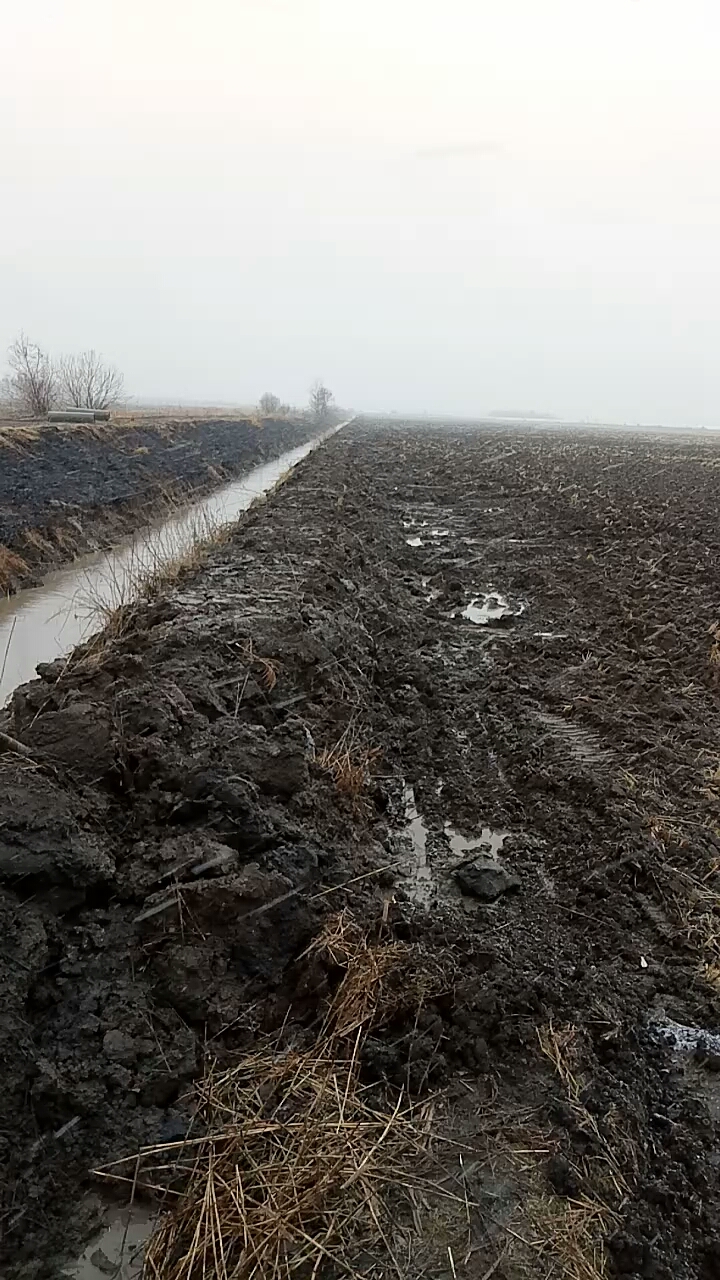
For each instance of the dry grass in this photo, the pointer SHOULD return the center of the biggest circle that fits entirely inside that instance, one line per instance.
(152, 563)
(110, 601)
(12, 569)
(35, 539)
(267, 667)
(570, 1234)
(299, 1169)
(381, 979)
(64, 540)
(710, 973)
(701, 928)
(16, 436)
(693, 903)
(562, 1047)
(688, 914)
(349, 762)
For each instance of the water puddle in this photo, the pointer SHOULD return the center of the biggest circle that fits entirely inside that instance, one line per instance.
(117, 1252)
(45, 622)
(489, 608)
(489, 841)
(414, 542)
(418, 876)
(429, 858)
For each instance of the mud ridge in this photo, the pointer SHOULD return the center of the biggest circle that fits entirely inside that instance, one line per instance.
(278, 737)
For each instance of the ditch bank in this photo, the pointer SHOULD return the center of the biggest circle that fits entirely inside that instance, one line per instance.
(69, 489)
(519, 795)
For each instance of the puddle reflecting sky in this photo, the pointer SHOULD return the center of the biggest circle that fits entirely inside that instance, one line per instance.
(118, 1249)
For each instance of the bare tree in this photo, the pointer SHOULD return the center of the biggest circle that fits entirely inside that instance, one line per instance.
(269, 404)
(87, 382)
(320, 401)
(33, 378)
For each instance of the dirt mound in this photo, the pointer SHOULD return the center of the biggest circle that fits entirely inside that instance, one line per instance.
(209, 787)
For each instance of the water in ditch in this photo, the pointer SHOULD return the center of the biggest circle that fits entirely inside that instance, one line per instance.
(46, 622)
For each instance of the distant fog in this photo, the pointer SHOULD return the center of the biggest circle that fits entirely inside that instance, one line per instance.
(434, 208)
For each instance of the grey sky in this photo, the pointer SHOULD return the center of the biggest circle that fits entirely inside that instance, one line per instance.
(454, 206)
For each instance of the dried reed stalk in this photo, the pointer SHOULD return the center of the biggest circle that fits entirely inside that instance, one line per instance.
(297, 1169)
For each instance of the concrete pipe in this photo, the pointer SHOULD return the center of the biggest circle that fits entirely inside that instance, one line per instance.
(71, 415)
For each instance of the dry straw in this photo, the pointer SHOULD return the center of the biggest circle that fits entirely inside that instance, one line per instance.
(299, 1169)
(349, 763)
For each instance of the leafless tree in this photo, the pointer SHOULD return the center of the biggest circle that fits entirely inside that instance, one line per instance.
(320, 401)
(33, 379)
(87, 382)
(269, 404)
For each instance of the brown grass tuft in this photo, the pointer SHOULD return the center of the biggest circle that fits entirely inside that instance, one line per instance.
(35, 539)
(12, 569)
(15, 436)
(297, 1169)
(381, 979)
(349, 763)
(269, 667)
(571, 1233)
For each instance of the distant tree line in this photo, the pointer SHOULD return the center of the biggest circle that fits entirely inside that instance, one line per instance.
(319, 407)
(36, 383)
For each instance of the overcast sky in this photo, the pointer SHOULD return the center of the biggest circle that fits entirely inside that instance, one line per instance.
(451, 205)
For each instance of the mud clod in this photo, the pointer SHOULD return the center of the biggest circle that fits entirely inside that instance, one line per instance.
(484, 878)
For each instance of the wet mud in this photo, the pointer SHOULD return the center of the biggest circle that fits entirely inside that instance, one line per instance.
(542, 805)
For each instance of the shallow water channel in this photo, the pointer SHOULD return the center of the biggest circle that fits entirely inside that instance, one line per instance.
(46, 622)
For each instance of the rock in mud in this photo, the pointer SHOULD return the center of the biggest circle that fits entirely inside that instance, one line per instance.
(484, 878)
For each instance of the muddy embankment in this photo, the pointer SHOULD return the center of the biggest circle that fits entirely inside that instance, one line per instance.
(464, 685)
(69, 489)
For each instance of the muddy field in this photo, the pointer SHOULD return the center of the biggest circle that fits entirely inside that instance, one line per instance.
(73, 488)
(463, 685)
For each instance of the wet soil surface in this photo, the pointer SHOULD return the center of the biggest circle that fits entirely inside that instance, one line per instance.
(76, 488)
(544, 808)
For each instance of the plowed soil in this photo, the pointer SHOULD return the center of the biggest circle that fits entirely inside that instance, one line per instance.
(231, 763)
(73, 488)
